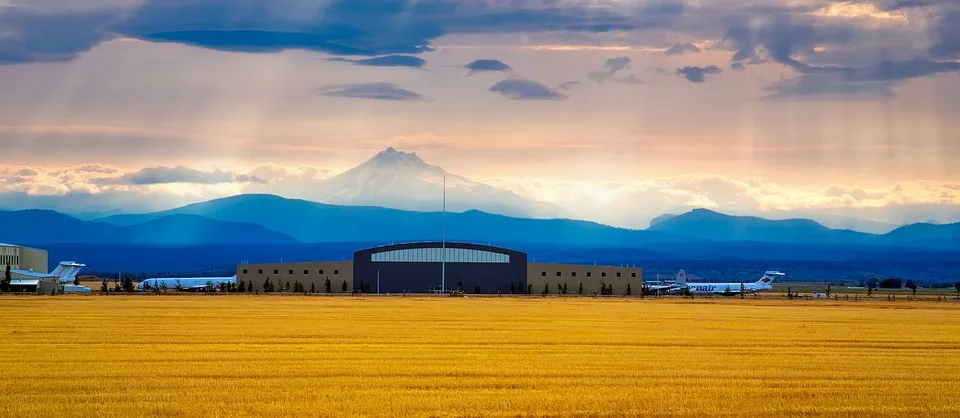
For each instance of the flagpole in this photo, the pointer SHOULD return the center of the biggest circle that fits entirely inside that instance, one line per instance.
(443, 240)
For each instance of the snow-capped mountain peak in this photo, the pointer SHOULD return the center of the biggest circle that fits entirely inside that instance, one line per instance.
(403, 180)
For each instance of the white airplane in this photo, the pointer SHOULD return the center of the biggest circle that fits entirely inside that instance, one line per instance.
(184, 284)
(765, 283)
(661, 288)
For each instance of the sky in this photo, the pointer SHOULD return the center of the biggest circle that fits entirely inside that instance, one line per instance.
(617, 110)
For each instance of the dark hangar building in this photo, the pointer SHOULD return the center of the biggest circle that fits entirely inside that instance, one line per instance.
(417, 268)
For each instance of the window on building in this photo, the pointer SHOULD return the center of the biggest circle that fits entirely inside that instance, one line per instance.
(260, 271)
(544, 274)
(321, 271)
(558, 274)
(633, 274)
(618, 274)
(276, 272)
(306, 272)
(291, 271)
(244, 271)
(574, 274)
(336, 272)
(588, 274)
(603, 274)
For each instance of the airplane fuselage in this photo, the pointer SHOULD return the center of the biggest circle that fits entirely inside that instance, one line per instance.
(726, 287)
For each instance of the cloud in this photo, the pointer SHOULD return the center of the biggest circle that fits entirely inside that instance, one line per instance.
(947, 35)
(373, 91)
(902, 70)
(28, 35)
(173, 175)
(339, 27)
(696, 74)
(610, 69)
(487, 65)
(569, 85)
(681, 48)
(519, 89)
(873, 82)
(826, 86)
(780, 38)
(407, 61)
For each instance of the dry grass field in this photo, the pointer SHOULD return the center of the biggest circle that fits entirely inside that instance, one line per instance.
(341, 356)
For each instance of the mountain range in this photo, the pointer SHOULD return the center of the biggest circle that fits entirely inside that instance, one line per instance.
(274, 220)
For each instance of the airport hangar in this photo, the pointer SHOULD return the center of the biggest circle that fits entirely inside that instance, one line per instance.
(417, 268)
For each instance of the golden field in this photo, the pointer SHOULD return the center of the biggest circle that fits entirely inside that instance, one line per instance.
(389, 356)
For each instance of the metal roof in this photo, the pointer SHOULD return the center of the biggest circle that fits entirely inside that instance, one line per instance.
(29, 273)
(24, 282)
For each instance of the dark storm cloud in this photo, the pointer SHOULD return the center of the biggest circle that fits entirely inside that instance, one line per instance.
(947, 35)
(517, 89)
(339, 27)
(372, 91)
(487, 65)
(178, 174)
(782, 38)
(27, 36)
(407, 61)
(696, 74)
(681, 48)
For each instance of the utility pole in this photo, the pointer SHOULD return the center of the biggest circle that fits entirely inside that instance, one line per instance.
(443, 240)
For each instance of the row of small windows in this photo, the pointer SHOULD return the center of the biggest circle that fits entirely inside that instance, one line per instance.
(11, 260)
(574, 274)
(436, 255)
(260, 271)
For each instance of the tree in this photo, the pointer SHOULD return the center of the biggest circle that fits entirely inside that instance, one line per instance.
(957, 286)
(459, 284)
(127, 284)
(313, 287)
(559, 289)
(103, 286)
(476, 289)
(891, 283)
(603, 288)
(7, 280)
(912, 286)
(242, 287)
(546, 289)
(363, 287)
(116, 286)
(326, 285)
(829, 289)
(286, 287)
(513, 289)
(344, 286)
(564, 288)
(873, 283)
(529, 289)
(610, 289)
(580, 292)
(629, 290)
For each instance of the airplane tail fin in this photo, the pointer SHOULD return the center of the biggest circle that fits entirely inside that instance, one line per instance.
(769, 277)
(681, 277)
(67, 271)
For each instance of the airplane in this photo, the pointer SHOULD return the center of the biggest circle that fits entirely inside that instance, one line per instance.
(184, 284)
(765, 283)
(660, 288)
